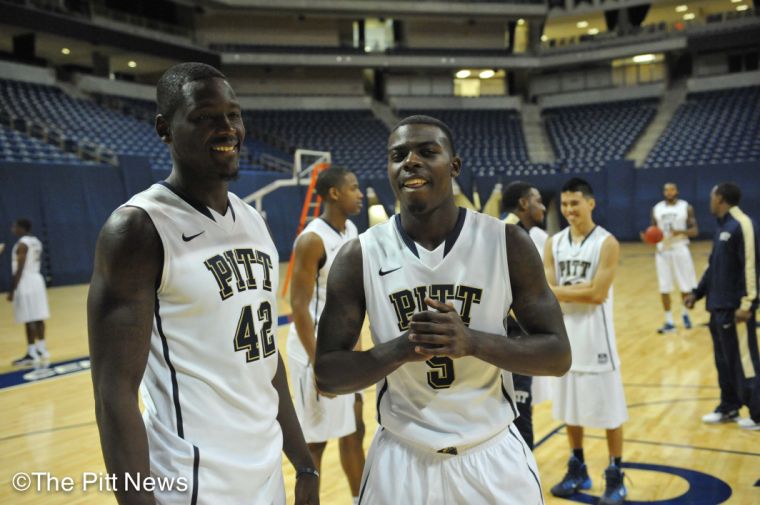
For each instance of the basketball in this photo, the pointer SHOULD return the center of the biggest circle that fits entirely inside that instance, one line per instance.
(653, 235)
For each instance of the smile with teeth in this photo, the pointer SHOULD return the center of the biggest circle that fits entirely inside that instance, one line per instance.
(223, 149)
(414, 183)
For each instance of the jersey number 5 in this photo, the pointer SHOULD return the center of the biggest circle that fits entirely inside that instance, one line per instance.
(246, 338)
(442, 374)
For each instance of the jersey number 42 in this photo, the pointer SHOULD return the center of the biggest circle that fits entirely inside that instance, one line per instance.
(246, 337)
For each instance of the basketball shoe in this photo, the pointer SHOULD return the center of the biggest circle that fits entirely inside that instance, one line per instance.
(748, 424)
(614, 489)
(686, 321)
(666, 328)
(28, 359)
(718, 417)
(575, 479)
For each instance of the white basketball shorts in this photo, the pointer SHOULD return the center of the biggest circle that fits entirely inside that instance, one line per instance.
(30, 301)
(591, 400)
(321, 418)
(675, 263)
(499, 471)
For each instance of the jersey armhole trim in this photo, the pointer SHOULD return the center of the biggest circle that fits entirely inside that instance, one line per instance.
(161, 278)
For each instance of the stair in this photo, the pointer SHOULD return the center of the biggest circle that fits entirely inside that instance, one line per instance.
(536, 138)
(667, 107)
(384, 113)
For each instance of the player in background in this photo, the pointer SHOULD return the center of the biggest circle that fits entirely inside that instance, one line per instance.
(524, 207)
(580, 263)
(437, 301)
(324, 417)
(676, 219)
(27, 292)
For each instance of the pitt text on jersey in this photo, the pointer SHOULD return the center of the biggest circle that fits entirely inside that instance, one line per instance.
(238, 264)
(408, 301)
(571, 271)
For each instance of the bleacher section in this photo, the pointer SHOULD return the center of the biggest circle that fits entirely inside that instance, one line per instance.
(709, 128)
(490, 142)
(17, 146)
(585, 137)
(355, 138)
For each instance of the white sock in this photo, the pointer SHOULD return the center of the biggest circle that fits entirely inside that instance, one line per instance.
(356, 500)
(41, 347)
(31, 350)
(669, 317)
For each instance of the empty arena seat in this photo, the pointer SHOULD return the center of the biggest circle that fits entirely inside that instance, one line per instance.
(711, 128)
(18, 146)
(584, 137)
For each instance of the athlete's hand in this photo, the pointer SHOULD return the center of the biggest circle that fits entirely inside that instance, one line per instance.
(440, 332)
(690, 300)
(9, 296)
(307, 489)
(742, 316)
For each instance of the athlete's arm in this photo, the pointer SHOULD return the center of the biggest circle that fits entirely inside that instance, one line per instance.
(120, 305)
(338, 367)
(597, 291)
(544, 350)
(692, 230)
(309, 251)
(21, 251)
(293, 443)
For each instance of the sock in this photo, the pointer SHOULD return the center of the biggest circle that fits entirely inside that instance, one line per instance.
(41, 347)
(616, 461)
(669, 317)
(578, 453)
(31, 350)
(685, 311)
(356, 500)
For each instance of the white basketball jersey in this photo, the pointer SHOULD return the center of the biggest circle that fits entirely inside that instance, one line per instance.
(210, 407)
(332, 240)
(33, 256)
(590, 327)
(537, 235)
(442, 402)
(670, 218)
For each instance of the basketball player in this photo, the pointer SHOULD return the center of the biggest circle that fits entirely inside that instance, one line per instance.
(580, 264)
(524, 207)
(676, 219)
(730, 285)
(27, 292)
(437, 301)
(322, 417)
(183, 297)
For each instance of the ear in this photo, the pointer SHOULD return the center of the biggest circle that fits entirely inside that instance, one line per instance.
(522, 203)
(162, 128)
(333, 192)
(456, 166)
(592, 202)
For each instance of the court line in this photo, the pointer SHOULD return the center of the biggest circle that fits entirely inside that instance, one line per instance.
(649, 442)
(49, 430)
(685, 386)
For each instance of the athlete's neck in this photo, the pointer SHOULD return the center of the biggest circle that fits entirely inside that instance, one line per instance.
(213, 195)
(429, 229)
(334, 217)
(581, 230)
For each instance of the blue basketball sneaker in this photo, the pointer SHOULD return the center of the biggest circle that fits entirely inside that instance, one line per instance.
(686, 321)
(575, 479)
(666, 328)
(614, 490)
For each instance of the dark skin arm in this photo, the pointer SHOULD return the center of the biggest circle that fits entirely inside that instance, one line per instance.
(293, 443)
(309, 251)
(692, 230)
(21, 251)
(338, 368)
(120, 305)
(545, 349)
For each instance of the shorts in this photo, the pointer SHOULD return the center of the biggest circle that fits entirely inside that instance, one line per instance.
(498, 471)
(321, 418)
(591, 400)
(30, 301)
(676, 263)
(542, 389)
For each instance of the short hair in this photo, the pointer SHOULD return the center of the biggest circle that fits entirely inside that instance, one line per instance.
(428, 120)
(578, 184)
(330, 178)
(512, 194)
(730, 192)
(169, 89)
(24, 223)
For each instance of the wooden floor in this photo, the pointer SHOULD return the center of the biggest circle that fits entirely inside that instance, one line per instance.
(670, 383)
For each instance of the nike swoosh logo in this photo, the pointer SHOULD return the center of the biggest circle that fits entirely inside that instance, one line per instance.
(388, 271)
(191, 237)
